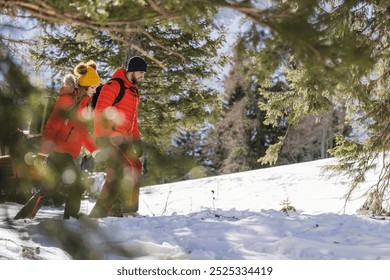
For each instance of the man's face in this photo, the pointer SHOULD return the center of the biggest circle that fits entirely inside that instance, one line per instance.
(136, 77)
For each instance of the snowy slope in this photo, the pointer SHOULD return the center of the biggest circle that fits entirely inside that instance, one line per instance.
(230, 217)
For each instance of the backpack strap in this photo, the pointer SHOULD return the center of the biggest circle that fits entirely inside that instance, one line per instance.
(120, 95)
(121, 91)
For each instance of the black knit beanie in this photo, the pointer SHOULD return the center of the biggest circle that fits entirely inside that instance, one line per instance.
(137, 63)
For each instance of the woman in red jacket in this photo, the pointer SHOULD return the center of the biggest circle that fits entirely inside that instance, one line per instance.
(64, 134)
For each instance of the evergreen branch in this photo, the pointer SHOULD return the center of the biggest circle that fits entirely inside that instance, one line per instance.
(18, 41)
(45, 12)
(139, 49)
(384, 48)
(156, 8)
(147, 34)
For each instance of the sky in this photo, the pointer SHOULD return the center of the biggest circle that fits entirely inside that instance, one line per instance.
(221, 218)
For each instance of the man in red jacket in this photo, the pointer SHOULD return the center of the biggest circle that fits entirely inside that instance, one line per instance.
(118, 136)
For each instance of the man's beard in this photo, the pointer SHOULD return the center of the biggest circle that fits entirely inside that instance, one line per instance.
(134, 79)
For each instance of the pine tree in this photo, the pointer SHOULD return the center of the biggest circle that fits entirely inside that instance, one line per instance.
(239, 138)
(328, 55)
(313, 137)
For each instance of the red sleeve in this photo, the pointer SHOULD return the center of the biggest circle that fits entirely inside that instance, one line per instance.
(89, 143)
(54, 123)
(87, 139)
(136, 134)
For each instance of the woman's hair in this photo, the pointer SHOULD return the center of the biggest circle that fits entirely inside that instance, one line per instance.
(82, 90)
(81, 93)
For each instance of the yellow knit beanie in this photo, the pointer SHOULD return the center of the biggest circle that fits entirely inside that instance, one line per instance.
(87, 74)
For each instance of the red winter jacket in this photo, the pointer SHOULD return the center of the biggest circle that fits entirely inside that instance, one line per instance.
(122, 118)
(65, 135)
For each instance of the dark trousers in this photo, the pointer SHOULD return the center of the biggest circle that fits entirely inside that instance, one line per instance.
(123, 177)
(64, 178)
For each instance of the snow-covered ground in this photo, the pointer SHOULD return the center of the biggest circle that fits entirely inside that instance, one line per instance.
(230, 217)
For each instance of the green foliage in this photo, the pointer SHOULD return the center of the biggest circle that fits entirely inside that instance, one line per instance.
(165, 165)
(16, 92)
(61, 48)
(287, 207)
(17, 96)
(356, 159)
(312, 56)
(272, 153)
(347, 147)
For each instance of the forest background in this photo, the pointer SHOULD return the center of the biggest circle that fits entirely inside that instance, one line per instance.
(307, 80)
